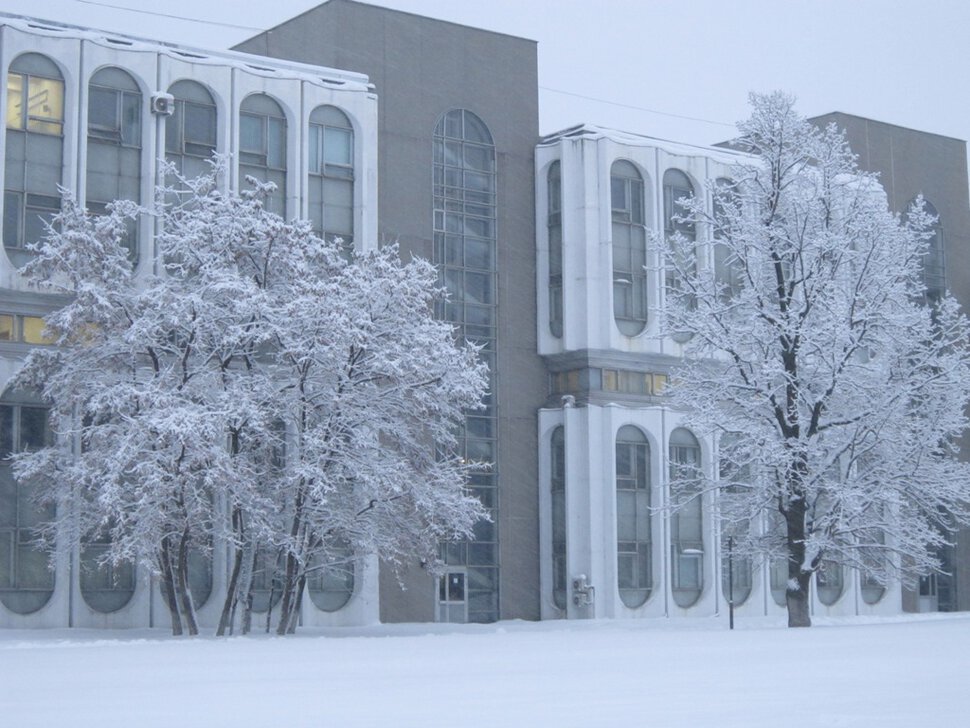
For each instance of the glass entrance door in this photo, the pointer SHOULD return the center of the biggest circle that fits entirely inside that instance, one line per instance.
(453, 596)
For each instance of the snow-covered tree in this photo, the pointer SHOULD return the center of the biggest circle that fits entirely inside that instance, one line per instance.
(260, 388)
(837, 391)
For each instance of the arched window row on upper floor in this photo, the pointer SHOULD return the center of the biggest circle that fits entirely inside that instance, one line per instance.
(116, 136)
(627, 205)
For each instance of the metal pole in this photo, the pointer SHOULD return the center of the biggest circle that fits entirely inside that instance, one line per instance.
(730, 582)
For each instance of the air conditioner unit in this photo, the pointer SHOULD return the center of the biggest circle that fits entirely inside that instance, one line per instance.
(163, 104)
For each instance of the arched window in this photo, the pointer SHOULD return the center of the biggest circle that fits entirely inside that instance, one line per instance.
(728, 270)
(262, 147)
(190, 133)
(267, 584)
(33, 153)
(686, 523)
(554, 226)
(114, 144)
(558, 486)
(330, 582)
(830, 582)
(331, 183)
(871, 587)
(736, 571)
(200, 576)
(634, 572)
(26, 581)
(676, 187)
(464, 212)
(629, 248)
(105, 586)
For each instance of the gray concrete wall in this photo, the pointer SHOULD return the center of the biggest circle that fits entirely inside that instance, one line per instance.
(911, 162)
(422, 68)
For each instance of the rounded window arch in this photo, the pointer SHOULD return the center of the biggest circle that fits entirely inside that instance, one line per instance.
(330, 582)
(105, 586)
(262, 147)
(634, 546)
(728, 268)
(34, 152)
(191, 131)
(114, 145)
(682, 233)
(737, 572)
(686, 522)
(331, 174)
(629, 248)
(830, 582)
(557, 478)
(554, 229)
(26, 580)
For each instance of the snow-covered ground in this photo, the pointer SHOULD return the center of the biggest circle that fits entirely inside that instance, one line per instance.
(665, 674)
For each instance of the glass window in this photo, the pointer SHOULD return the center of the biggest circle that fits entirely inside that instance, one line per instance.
(686, 523)
(331, 178)
(830, 582)
(728, 269)
(934, 259)
(463, 226)
(114, 145)
(554, 228)
(330, 581)
(634, 548)
(34, 152)
(26, 579)
(190, 133)
(677, 187)
(262, 147)
(558, 486)
(105, 586)
(629, 248)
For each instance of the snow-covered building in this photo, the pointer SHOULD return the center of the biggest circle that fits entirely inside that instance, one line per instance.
(95, 113)
(542, 243)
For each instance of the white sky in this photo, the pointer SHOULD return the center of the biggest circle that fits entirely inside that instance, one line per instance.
(902, 62)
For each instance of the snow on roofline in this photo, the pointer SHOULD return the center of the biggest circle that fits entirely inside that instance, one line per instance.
(683, 149)
(259, 65)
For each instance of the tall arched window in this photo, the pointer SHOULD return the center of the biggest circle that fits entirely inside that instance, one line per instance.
(736, 571)
(676, 187)
(728, 269)
(331, 183)
(554, 226)
(634, 572)
(686, 523)
(629, 248)
(262, 147)
(114, 144)
(464, 205)
(190, 133)
(558, 486)
(26, 581)
(33, 153)
(330, 582)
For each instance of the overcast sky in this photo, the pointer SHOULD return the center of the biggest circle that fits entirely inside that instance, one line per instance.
(677, 70)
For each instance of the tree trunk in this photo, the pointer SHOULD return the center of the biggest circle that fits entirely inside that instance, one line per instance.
(247, 615)
(289, 594)
(184, 590)
(797, 589)
(228, 606)
(297, 610)
(168, 588)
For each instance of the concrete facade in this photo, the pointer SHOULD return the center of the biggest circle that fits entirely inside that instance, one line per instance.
(911, 163)
(422, 68)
